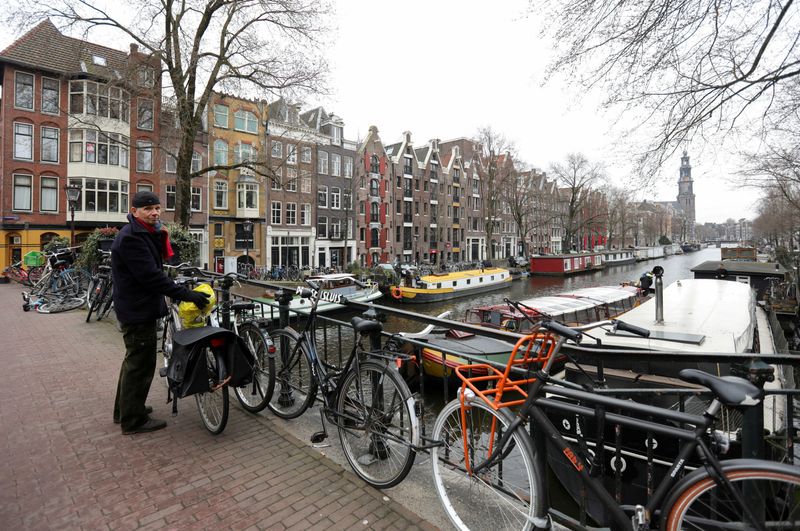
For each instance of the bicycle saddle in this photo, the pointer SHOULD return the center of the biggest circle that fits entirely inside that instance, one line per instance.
(731, 390)
(364, 326)
(242, 306)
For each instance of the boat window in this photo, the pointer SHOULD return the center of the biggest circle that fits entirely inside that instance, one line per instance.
(439, 285)
(469, 281)
(743, 279)
(481, 279)
(566, 264)
(492, 277)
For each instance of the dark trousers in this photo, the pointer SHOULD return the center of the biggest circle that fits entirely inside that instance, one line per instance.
(136, 374)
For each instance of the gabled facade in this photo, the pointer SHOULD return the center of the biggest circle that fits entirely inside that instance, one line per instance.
(374, 176)
(73, 113)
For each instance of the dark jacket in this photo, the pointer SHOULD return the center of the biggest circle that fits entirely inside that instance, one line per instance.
(139, 280)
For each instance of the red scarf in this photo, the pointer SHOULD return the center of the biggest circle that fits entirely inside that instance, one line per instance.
(166, 251)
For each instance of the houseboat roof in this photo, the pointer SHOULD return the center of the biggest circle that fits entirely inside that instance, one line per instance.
(458, 275)
(740, 267)
(719, 311)
(581, 299)
(563, 256)
(332, 276)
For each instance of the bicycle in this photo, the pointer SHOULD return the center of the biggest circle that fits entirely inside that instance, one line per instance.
(214, 405)
(101, 290)
(26, 277)
(487, 468)
(366, 399)
(61, 286)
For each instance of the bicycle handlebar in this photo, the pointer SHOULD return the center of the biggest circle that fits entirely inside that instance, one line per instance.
(562, 330)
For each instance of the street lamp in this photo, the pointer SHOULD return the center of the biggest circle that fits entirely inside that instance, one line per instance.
(73, 196)
(247, 227)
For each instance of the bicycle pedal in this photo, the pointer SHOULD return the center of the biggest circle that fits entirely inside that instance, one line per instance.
(318, 436)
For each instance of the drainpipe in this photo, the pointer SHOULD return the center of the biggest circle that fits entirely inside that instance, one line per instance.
(658, 272)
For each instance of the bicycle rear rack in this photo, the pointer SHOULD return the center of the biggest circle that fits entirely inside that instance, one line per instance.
(531, 349)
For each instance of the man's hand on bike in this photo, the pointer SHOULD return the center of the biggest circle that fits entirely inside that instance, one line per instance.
(199, 298)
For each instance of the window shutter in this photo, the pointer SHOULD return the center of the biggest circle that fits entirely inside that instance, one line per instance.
(383, 165)
(366, 162)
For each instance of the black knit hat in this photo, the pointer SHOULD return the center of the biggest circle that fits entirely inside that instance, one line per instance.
(145, 198)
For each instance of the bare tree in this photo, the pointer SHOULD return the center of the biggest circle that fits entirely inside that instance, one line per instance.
(260, 46)
(497, 166)
(691, 67)
(620, 220)
(576, 177)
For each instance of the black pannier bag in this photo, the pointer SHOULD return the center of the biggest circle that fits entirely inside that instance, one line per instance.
(186, 371)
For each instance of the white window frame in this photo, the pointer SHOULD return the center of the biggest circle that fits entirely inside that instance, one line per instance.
(221, 186)
(31, 129)
(197, 192)
(348, 167)
(57, 138)
(322, 162)
(336, 198)
(58, 96)
(15, 206)
(219, 144)
(54, 189)
(144, 146)
(291, 180)
(197, 161)
(17, 75)
(245, 190)
(336, 165)
(305, 215)
(170, 163)
(322, 221)
(170, 191)
(291, 154)
(276, 213)
(277, 149)
(291, 213)
(218, 115)
(150, 124)
(146, 76)
(305, 154)
(322, 191)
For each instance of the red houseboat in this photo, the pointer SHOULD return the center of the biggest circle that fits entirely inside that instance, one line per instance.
(566, 264)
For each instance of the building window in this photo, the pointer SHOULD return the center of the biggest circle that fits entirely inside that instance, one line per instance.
(348, 167)
(322, 197)
(243, 153)
(141, 187)
(305, 214)
(23, 91)
(362, 233)
(50, 137)
(374, 186)
(291, 180)
(197, 199)
(347, 200)
(146, 76)
(322, 227)
(374, 164)
(276, 212)
(374, 209)
(99, 147)
(171, 196)
(22, 192)
(336, 198)
(291, 154)
(277, 149)
(247, 195)
(220, 152)
(218, 230)
(305, 154)
(197, 160)
(221, 116)
(144, 156)
(48, 198)
(23, 141)
(305, 185)
(104, 195)
(245, 121)
(322, 162)
(91, 98)
(221, 195)
(171, 163)
(50, 95)
(336, 165)
(144, 114)
(291, 213)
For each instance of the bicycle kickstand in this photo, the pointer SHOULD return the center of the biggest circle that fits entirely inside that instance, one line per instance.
(319, 436)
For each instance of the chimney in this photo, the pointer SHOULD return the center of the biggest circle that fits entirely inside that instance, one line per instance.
(134, 48)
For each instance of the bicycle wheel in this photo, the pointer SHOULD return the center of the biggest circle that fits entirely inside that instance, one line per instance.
(255, 396)
(377, 424)
(770, 490)
(166, 341)
(213, 405)
(35, 274)
(73, 282)
(95, 296)
(505, 496)
(106, 302)
(60, 304)
(295, 386)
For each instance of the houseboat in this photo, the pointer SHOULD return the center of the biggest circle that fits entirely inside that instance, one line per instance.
(339, 283)
(566, 264)
(574, 308)
(759, 275)
(649, 253)
(444, 286)
(618, 257)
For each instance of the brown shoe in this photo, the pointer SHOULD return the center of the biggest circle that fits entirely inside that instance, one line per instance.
(147, 409)
(151, 425)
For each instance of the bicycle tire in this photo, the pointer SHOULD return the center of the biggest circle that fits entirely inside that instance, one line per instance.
(95, 289)
(106, 301)
(295, 385)
(697, 502)
(377, 424)
(72, 282)
(507, 495)
(59, 305)
(255, 396)
(213, 406)
(34, 274)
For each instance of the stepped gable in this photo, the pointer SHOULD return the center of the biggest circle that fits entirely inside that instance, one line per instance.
(44, 47)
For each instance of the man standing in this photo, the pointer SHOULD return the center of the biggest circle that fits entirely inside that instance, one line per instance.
(139, 287)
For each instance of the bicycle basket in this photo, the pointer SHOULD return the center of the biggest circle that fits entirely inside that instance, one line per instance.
(62, 255)
(34, 259)
(490, 384)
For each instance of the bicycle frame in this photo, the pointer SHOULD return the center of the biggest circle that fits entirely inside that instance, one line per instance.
(540, 399)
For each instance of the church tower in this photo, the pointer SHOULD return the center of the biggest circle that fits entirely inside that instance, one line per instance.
(686, 195)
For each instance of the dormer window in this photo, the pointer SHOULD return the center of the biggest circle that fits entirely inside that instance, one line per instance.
(336, 132)
(99, 60)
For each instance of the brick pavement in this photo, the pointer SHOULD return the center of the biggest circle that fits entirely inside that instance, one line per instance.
(64, 464)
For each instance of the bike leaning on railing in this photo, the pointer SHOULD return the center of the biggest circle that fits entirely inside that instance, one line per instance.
(489, 470)
(366, 398)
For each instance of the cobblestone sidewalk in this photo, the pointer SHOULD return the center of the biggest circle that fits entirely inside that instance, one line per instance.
(64, 464)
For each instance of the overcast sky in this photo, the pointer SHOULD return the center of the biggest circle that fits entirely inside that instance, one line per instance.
(443, 68)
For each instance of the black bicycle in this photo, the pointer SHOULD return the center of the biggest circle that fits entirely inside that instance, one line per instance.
(366, 399)
(490, 471)
(101, 290)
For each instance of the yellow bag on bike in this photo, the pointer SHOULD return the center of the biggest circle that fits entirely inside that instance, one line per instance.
(193, 317)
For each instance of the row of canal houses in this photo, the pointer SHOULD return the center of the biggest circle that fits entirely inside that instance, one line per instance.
(74, 113)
